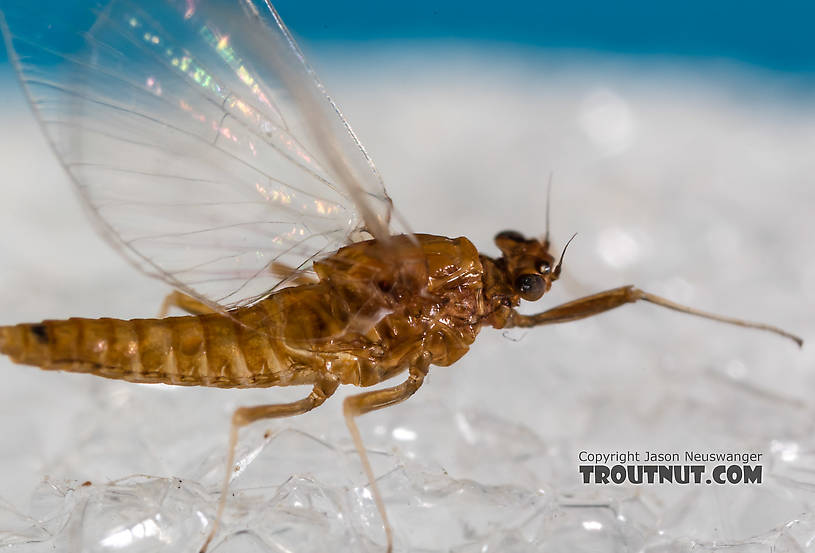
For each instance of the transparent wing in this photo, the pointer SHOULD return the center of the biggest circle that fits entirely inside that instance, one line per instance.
(201, 141)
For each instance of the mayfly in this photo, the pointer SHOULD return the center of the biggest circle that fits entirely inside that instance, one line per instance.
(210, 155)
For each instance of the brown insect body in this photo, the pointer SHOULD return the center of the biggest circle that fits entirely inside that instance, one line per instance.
(365, 321)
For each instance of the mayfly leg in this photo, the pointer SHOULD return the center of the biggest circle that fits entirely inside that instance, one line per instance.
(357, 405)
(296, 277)
(244, 416)
(184, 302)
(610, 299)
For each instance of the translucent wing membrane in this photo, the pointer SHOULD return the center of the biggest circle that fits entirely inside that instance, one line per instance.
(201, 141)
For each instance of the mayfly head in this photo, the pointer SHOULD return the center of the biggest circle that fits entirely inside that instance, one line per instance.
(527, 263)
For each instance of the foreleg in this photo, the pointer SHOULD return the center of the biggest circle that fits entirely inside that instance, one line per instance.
(610, 299)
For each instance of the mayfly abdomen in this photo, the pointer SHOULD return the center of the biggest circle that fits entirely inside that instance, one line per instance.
(204, 350)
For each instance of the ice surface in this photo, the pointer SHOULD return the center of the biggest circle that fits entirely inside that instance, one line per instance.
(691, 182)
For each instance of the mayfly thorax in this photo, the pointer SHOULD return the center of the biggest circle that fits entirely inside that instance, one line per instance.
(211, 157)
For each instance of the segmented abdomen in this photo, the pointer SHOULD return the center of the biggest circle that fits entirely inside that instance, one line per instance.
(206, 350)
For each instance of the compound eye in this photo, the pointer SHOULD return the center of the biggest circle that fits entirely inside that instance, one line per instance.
(513, 235)
(530, 286)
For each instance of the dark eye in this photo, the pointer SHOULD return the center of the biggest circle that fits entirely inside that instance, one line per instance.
(544, 267)
(531, 287)
(513, 235)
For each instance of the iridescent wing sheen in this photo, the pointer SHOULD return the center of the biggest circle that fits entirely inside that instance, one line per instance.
(201, 141)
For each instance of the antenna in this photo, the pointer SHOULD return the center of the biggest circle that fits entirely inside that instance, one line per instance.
(548, 204)
(560, 261)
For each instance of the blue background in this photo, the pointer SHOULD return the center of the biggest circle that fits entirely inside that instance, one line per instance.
(777, 36)
(773, 35)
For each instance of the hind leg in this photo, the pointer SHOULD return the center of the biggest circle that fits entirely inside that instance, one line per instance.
(297, 277)
(244, 416)
(181, 300)
(357, 405)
